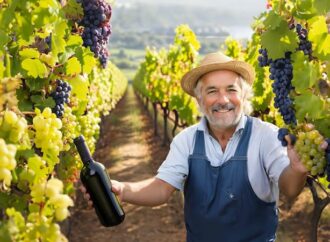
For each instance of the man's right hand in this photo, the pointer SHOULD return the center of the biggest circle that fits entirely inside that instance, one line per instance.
(118, 189)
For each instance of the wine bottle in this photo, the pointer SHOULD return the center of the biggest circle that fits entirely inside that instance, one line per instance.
(97, 183)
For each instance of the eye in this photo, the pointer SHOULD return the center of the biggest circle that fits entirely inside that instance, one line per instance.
(232, 90)
(211, 91)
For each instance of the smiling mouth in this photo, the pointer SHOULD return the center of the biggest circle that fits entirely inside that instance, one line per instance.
(223, 111)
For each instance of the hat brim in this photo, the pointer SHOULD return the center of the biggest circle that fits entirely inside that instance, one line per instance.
(189, 80)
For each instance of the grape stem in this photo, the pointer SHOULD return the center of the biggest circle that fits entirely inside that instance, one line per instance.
(29, 113)
(319, 184)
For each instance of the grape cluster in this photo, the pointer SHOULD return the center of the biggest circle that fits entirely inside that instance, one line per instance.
(13, 128)
(47, 133)
(61, 96)
(8, 162)
(51, 192)
(308, 146)
(263, 58)
(304, 44)
(281, 73)
(97, 28)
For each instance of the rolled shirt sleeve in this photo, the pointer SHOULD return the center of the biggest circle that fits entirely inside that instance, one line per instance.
(274, 155)
(175, 168)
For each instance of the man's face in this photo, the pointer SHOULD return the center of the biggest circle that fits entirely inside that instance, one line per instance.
(221, 99)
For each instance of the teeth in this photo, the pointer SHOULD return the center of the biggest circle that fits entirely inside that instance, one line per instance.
(223, 110)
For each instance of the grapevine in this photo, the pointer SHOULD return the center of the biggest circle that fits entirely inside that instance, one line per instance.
(47, 83)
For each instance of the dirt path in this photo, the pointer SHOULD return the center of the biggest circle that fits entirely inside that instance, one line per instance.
(131, 153)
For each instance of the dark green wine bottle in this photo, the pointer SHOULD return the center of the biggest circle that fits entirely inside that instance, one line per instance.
(97, 183)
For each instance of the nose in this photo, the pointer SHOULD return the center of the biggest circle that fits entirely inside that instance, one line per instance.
(222, 98)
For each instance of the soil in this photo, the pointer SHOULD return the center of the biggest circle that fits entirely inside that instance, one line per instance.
(130, 151)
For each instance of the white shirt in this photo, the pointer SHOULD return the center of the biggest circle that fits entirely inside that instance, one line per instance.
(266, 157)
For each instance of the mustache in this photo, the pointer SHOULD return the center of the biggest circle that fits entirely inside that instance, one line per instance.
(221, 107)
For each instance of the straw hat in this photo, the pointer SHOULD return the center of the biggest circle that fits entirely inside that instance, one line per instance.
(212, 62)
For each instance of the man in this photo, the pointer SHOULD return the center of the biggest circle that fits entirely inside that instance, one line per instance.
(230, 166)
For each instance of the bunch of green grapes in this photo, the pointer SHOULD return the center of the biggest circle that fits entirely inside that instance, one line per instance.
(50, 194)
(90, 128)
(13, 128)
(308, 147)
(36, 170)
(48, 136)
(34, 228)
(69, 128)
(7, 162)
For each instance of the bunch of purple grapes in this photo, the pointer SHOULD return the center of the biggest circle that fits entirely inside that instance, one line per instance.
(263, 58)
(97, 28)
(304, 44)
(281, 73)
(61, 96)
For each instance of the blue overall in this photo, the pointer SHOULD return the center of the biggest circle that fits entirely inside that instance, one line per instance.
(220, 204)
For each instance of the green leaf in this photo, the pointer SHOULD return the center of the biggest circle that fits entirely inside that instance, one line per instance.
(63, 57)
(304, 9)
(58, 42)
(4, 39)
(89, 63)
(318, 35)
(279, 40)
(2, 69)
(79, 86)
(7, 14)
(322, 6)
(25, 26)
(305, 73)
(86, 57)
(273, 20)
(24, 103)
(36, 84)
(49, 59)
(73, 66)
(308, 106)
(74, 40)
(41, 102)
(323, 125)
(35, 68)
(29, 53)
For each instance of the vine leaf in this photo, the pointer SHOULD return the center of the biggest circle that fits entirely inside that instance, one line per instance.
(73, 67)
(279, 40)
(34, 68)
(79, 87)
(58, 42)
(41, 102)
(322, 6)
(318, 35)
(74, 40)
(3, 39)
(305, 73)
(29, 53)
(304, 9)
(309, 106)
(272, 21)
(48, 59)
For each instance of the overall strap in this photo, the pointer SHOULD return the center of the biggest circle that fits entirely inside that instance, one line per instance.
(199, 148)
(243, 144)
